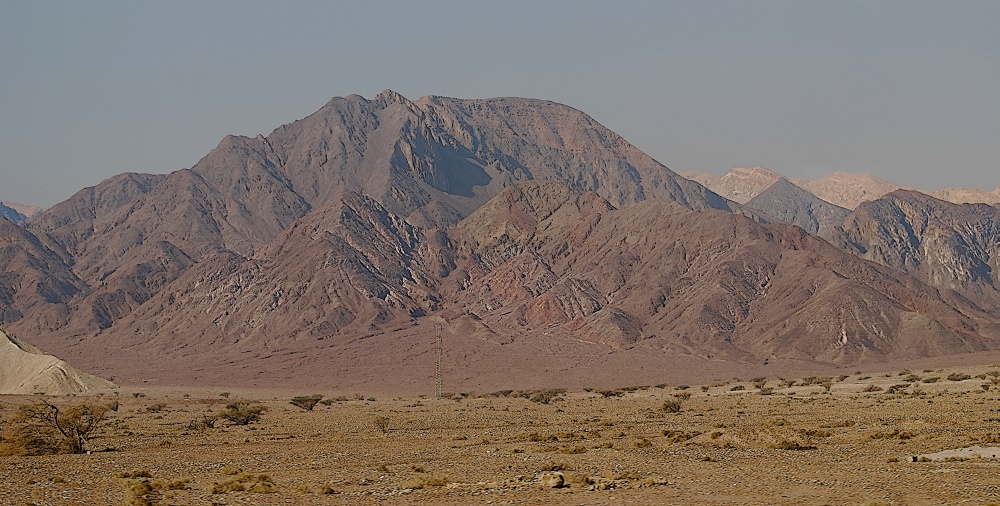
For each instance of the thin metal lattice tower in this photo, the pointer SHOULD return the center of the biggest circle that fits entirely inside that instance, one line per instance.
(438, 383)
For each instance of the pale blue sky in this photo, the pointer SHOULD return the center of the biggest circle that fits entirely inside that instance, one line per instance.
(907, 90)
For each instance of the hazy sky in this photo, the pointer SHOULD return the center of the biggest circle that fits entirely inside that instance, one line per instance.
(906, 90)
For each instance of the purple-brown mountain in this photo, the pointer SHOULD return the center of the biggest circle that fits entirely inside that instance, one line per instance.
(326, 251)
(948, 246)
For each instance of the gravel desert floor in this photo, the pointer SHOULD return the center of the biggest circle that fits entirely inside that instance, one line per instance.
(860, 439)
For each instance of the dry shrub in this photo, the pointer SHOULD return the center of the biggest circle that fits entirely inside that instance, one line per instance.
(418, 482)
(788, 444)
(43, 428)
(242, 412)
(547, 396)
(382, 424)
(147, 493)
(672, 405)
(245, 482)
(680, 436)
(306, 402)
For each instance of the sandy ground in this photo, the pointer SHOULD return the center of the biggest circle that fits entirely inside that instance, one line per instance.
(729, 444)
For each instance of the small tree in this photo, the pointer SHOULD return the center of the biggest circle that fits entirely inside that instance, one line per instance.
(242, 412)
(42, 428)
(382, 424)
(306, 402)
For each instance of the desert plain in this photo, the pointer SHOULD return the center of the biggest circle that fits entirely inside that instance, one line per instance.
(922, 436)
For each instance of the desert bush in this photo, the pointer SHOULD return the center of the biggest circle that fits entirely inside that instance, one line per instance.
(872, 388)
(788, 444)
(679, 436)
(611, 393)
(547, 396)
(156, 408)
(957, 376)
(245, 482)
(932, 379)
(894, 434)
(148, 493)
(738, 388)
(203, 423)
(683, 396)
(42, 428)
(431, 480)
(306, 402)
(897, 388)
(382, 424)
(641, 443)
(241, 412)
(672, 405)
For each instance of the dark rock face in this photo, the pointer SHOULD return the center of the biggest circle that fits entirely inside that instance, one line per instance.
(786, 203)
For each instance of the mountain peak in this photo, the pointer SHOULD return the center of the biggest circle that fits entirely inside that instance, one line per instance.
(391, 97)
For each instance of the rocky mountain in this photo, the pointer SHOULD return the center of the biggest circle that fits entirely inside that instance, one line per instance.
(12, 215)
(785, 202)
(711, 283)
(949, 246)
(432, 162)
(35, 282)
(539, 261)
(333, 247)
(19, 213)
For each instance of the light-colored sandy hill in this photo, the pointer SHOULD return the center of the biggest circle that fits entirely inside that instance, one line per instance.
(848, 189)
(967, 195)
(24, 369)
(740, 184)
(845, 189)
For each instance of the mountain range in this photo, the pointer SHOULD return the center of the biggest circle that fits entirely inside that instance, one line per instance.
(545, 248)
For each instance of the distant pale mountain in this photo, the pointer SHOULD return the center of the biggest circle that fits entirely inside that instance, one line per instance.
(548, 244)
(967, 195)
(740, 184)
(843, 189)
(848, 189)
